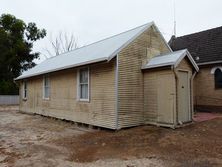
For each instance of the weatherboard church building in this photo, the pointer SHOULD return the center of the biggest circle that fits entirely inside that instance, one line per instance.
(130, 79)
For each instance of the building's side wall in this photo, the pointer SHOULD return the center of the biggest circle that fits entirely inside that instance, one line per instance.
(206, 96)
(151, 93)
(63, 103)
(130, 76)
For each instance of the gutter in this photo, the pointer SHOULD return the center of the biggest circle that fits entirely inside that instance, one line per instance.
(207, 63)
(61, 68)
(192, 88)
(16, 82)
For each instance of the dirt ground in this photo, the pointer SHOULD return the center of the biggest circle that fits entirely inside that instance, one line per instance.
(33, 140)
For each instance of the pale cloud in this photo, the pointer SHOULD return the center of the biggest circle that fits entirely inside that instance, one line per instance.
(92, 20)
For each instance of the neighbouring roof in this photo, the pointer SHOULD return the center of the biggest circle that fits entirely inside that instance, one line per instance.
(170, 59)
(205, 47)
(103, 50)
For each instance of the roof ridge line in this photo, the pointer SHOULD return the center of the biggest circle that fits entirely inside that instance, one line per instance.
(166, 54)
(199, 32)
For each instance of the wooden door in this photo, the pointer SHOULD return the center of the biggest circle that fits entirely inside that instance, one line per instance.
(183, 97)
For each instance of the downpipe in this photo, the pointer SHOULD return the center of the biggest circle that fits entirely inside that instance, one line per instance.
(175, 96)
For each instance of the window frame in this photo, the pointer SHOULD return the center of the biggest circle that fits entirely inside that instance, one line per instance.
(44, 86)
(216, 85)
(79, 84)
(24, 90)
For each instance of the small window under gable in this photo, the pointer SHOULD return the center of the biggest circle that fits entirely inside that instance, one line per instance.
(25, 90)
(218, 78)
(83, 84)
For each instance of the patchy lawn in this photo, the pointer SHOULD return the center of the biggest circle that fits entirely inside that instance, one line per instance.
(32, 140)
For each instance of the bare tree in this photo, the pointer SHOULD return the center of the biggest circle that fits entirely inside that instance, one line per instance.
(62, 43)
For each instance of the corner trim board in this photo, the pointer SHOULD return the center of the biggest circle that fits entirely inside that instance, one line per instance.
(116, 88)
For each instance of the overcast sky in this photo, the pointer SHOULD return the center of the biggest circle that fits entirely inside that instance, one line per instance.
(92, 20)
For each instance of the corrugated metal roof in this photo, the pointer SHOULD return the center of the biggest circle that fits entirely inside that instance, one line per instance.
(103, 50)
(170, 59)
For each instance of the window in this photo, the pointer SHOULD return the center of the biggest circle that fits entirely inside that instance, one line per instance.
(46, 87)
(83, 85)
(218, 78)
(25, 90)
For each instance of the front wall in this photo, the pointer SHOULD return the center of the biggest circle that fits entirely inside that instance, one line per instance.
(151, 88)
(130, 76)
(205, 92)
(100, 111)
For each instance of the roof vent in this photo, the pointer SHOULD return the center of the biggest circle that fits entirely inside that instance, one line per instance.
(197, 58)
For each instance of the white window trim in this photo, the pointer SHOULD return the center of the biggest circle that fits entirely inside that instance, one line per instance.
(23, 90)
(215, 68)
(78, 86)
(43, 88)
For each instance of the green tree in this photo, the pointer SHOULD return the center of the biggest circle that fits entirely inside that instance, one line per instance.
(16, 55)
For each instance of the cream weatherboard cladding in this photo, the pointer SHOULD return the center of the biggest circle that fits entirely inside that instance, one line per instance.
(130, 79)
(63, 102)
(151, 86)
